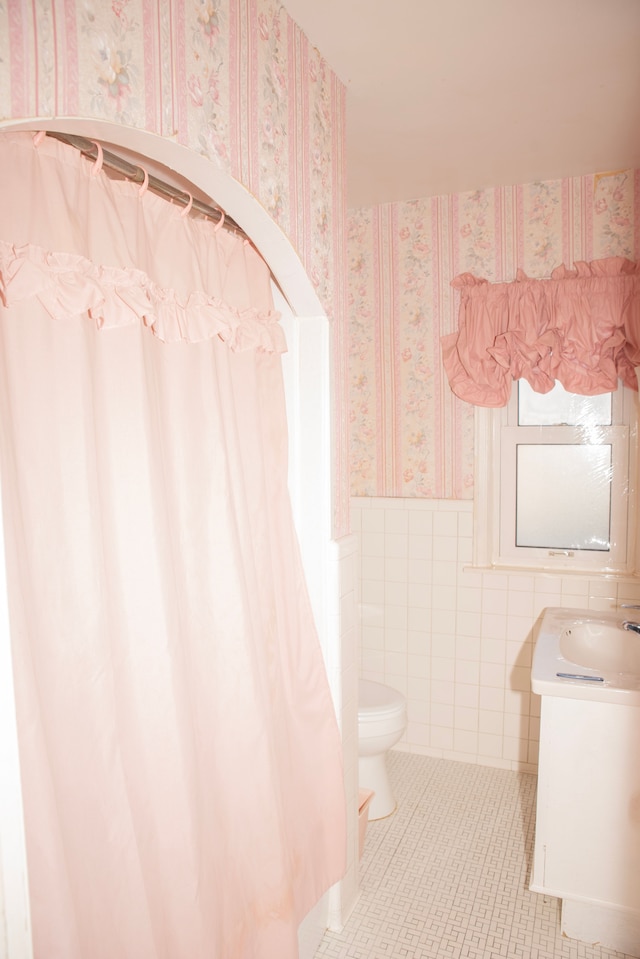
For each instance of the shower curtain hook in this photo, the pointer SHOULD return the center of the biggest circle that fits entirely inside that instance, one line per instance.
(39, 137)
(187, 208)
(97, 166)
(145, 182)
(218, 225)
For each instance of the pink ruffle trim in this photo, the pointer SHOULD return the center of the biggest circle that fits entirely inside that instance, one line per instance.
(70, 285)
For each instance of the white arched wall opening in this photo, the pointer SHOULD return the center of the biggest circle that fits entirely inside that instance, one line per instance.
(307, 375)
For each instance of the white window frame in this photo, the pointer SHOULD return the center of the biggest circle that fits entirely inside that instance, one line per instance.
(495, 486)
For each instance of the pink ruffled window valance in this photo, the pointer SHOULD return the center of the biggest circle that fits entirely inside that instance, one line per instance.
(581, 327)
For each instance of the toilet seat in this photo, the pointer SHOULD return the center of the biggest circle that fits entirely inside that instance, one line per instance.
(377, 702)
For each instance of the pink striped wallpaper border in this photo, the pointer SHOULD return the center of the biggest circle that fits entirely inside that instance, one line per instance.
(293, 119)
(252, 97)
(379, 452)
(178, 42)
(152, 75)
(498, 216)
(587, 188)
(303, 163)
(518, 226)
(437, 434)
(395, 425)
(339, 327)
(55, 44)
(636, 211)
(235, 87)
(567, 223)
(36, 59)
(18, 30)
(68, 61)
(168, 113)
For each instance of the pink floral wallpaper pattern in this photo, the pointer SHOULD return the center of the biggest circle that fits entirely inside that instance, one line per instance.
(410, 436)
(236, 81)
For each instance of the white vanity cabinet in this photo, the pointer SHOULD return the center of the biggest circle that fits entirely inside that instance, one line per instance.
(587, 845)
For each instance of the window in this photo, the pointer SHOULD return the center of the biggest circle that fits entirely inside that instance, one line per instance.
(556, 481)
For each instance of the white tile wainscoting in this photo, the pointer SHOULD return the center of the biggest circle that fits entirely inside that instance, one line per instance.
(457, 642)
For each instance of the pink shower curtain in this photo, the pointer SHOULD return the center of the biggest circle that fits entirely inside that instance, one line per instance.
(179, 752)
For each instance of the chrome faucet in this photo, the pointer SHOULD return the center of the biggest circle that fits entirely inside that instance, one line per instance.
(629, 624)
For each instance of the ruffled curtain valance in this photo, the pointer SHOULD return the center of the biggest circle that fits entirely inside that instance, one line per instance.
(581, 327)
(100, 261)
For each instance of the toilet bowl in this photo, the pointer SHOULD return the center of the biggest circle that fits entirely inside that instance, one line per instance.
(382, 718)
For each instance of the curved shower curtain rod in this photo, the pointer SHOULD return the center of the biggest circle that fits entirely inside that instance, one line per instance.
(137, 174)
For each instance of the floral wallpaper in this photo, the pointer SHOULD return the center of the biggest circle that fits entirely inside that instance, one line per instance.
(234, 80)
(410, 436)
(238, 82)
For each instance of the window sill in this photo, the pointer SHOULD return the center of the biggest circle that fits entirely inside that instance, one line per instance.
(502, 568)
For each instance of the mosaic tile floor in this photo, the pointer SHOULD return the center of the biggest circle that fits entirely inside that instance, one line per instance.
(446, 877)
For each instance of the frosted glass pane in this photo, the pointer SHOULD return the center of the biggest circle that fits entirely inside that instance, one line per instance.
(563, 496)
(558, 407)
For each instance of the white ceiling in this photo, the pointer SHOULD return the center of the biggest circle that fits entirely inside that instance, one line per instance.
(446, 96)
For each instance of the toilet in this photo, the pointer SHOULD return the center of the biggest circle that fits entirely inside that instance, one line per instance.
(382, 718)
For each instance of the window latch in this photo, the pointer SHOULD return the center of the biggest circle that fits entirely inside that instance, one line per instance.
(561, 552)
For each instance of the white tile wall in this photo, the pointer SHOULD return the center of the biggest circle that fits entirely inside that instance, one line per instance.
(457, 642)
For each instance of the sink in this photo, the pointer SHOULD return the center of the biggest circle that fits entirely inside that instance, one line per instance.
(601, 646)
(586, 654)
